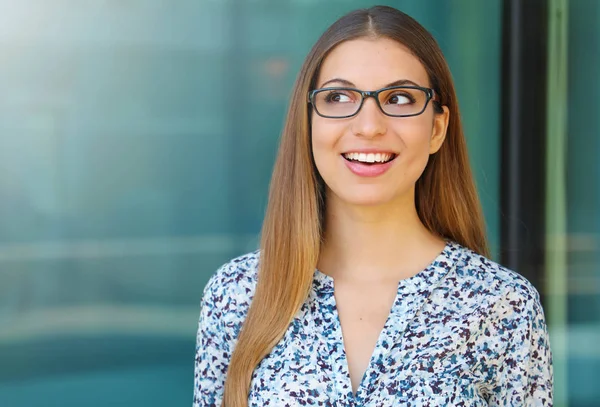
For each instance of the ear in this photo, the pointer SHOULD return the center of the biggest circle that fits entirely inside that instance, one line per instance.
(440, 127)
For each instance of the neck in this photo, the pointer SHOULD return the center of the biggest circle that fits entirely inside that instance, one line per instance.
(376, 243)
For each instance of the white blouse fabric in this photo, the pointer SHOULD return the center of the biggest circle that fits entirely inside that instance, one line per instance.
(463, 332)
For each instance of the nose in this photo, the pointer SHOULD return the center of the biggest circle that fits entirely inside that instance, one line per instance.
(370, 120)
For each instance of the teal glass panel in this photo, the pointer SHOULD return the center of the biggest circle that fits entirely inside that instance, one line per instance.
(583, 204)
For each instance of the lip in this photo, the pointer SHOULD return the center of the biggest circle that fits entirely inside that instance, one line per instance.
(368, 170)
(370, 150)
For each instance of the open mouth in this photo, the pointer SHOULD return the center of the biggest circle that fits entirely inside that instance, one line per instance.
(369, 158)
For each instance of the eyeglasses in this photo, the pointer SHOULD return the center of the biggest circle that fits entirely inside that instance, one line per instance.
(396, 101)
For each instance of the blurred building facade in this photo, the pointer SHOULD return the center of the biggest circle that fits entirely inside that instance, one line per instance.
(136, 144)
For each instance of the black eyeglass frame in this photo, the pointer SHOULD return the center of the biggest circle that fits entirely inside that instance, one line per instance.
(430, 95)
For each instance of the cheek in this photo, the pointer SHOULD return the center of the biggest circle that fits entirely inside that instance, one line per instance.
(324, 138)
(418, 146)
(416, 141)
(325, 131)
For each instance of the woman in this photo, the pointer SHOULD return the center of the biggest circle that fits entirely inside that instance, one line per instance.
(371, 287)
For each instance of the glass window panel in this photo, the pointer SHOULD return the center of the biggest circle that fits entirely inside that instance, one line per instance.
(583, 204)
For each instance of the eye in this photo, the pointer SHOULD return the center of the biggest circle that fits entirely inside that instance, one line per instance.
(400, 98)
(338, 97)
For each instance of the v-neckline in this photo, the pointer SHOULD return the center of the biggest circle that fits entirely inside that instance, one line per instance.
(383, 334)
(420, 286)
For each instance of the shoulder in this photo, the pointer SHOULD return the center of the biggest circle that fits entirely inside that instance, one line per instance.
(497, 279)
(503, 289)
(230, 289)
(238, 274)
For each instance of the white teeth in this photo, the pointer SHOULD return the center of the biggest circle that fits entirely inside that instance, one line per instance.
(369, 157)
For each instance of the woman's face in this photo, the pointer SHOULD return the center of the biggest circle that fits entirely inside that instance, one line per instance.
(337, 144)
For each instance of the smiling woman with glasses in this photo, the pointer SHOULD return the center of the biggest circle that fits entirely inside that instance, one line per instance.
(372, 285)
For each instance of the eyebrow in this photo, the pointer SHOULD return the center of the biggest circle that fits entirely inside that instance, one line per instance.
(400, 82)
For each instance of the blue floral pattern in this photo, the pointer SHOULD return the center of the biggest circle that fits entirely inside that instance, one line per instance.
(465, 331)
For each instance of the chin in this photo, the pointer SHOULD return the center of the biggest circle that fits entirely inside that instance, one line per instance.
(365, 198)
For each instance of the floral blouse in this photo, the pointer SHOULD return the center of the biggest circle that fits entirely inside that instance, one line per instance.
(463, 332)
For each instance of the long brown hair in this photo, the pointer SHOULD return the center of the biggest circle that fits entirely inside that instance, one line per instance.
(446, 199)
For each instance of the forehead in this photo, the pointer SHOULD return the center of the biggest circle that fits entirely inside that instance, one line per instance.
(372, 63)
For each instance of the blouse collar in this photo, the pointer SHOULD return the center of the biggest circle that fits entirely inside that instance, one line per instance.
(323, 284)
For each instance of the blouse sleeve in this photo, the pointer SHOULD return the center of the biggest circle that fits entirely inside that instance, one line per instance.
(525, 376)
(212, 350)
